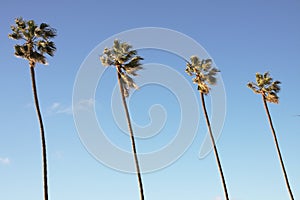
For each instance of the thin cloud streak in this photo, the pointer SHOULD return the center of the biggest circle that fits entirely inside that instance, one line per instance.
(58, 108)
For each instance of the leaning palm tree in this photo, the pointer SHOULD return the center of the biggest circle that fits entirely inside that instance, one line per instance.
(205, 75)
(127, 63)
(36, 44)
(268, 89)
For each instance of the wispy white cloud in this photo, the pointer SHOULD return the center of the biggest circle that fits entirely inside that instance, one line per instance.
(85, 104)
(4, 161)
(58, 108)
(55, 105)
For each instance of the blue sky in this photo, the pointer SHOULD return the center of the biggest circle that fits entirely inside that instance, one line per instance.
(243, 37)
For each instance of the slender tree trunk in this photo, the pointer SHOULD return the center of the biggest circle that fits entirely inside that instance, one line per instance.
(214, 145)
(43, 140)
(131, 136)
(277, 147)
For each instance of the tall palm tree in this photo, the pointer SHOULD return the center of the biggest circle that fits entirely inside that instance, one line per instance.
(127, 63)
(268, 89)
(205, 75)
(36, 44)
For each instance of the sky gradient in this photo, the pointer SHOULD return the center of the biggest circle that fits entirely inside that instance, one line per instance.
(242, 37)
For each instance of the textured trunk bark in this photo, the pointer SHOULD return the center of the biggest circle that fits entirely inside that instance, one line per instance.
(277, 147)
(131, 136)
(214, 145)
(43, 140)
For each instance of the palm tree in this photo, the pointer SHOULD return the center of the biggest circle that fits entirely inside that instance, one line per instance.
(36, 44)
(205, 75)
(268, 89)
(127, 63)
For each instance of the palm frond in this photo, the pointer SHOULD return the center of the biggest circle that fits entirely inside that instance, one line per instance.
(125, 88)
(195, 61)
(134, 62)
(31, 26)
(133, 70)
(203, 71)
(38, 58)
(106, 61)
(47, 47)
(20, 51)
(20, 22)
(211, 80)
(272, 97)
(253, 86)
(15, 36)
(127, 83)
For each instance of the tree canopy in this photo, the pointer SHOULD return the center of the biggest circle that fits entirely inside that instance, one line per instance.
(266, 86)
(37, 40)
(204, 72)
(126, 60)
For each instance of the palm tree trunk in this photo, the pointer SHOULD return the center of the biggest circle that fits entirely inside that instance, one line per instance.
(214, 145)
(131, 136)
(43, 140)
(277, 147)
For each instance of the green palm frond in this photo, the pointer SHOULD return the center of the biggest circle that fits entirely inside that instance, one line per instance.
(133, 66)
(205, 74)
(254, 87)
(37, 40)
(126, 60)
(20, 51)
(38, 57)
(266, 86)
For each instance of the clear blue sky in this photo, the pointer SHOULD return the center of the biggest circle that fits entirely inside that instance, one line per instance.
(243, 37)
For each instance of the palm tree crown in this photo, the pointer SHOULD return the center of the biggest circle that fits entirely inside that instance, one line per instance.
(37, 40)
(127, 62)
(204, 72)
(266, 86)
